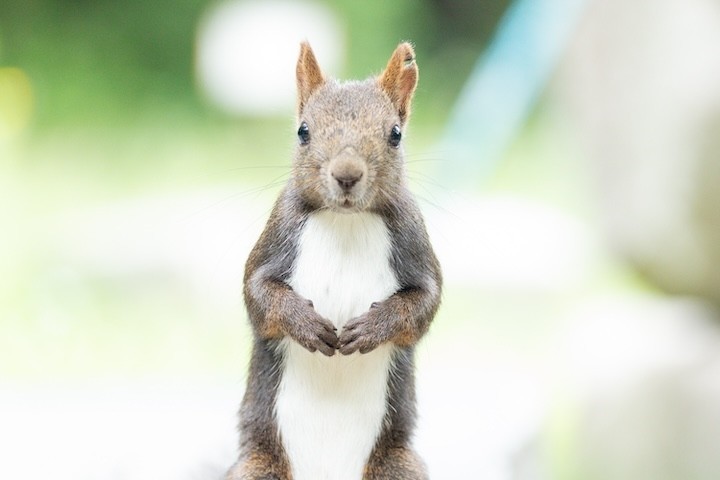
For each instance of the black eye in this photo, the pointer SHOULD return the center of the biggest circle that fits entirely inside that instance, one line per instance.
(395, 136)
(304, 134)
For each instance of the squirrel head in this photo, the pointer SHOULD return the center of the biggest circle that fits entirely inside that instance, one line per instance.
(349, 152)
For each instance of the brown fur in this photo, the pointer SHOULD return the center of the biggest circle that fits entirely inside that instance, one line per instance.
(399, 463)
(259, 466)
(275, 309)
(308, 73)
(399, 79)
(349, 127)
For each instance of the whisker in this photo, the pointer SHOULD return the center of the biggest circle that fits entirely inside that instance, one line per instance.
(249, 167)
(239, 195)
(214, 174)
(420, 177)
(411, 160)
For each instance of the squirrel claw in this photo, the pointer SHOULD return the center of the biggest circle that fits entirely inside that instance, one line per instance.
(326, 350)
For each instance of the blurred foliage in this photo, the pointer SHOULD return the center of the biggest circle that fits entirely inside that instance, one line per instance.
(116, 62)
(102, 61)
(117, 118)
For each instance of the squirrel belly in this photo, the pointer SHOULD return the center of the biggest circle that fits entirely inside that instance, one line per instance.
(343, 264)
(330, 410)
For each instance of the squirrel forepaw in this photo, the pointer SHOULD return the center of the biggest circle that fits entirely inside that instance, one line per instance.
(313, 331)
(364, 333)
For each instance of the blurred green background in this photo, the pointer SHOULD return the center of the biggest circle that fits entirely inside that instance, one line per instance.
(100, 105)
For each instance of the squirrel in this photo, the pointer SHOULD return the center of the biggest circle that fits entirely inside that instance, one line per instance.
(339, 288)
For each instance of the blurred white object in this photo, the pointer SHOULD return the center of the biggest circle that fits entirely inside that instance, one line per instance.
(636, 395)
(505, 242)
(645, 391)
(247, 49)
(643, 83)
(115, 430)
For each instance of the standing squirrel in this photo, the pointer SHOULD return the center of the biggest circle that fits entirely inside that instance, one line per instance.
(339, 288)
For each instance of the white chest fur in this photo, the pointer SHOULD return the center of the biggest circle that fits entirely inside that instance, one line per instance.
(330, 409)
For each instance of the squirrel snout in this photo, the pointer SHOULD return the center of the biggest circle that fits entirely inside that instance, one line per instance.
(347, 181)
(347, 172)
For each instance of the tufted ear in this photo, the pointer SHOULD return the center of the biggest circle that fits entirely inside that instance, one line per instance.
(309, 75)
(399, 79)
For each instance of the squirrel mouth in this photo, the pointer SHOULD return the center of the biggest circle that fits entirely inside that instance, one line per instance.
(347, 201)
(347, 204)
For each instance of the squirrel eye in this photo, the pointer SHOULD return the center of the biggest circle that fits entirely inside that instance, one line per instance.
(304, 133)
(395, 136)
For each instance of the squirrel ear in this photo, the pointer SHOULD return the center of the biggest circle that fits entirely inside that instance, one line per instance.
(399, 79)
(309, 75)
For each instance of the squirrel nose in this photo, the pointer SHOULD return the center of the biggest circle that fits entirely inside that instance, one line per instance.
(347, 180)
(348, 169)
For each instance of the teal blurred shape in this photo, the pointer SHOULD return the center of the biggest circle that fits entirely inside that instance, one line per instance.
(504, 86)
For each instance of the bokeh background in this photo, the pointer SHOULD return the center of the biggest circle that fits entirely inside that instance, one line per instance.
(564, 152)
